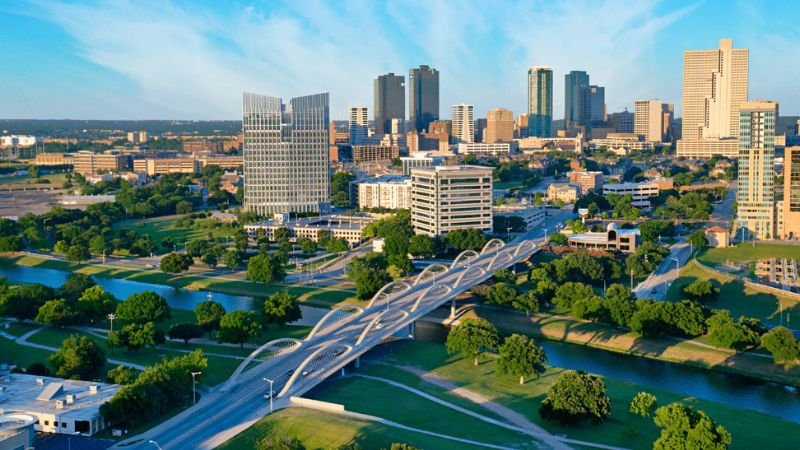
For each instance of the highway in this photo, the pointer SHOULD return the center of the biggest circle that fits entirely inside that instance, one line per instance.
(657, 284)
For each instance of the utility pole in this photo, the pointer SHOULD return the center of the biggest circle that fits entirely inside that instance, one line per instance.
(111, 317)
(270, 393)
(194, 390)
(631, 280)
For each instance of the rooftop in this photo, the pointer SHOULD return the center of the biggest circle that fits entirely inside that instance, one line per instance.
(47, 395)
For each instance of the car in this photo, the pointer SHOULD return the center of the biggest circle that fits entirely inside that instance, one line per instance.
(378, 325)
(307, 372)
(267, 396)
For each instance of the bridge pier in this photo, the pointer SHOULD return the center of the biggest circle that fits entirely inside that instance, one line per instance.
(357, 362)
(411, 330)
(453, 308)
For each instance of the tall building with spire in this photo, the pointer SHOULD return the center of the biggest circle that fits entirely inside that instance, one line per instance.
(390, 101)
(286, 154)
(714, 89)
(423, 97)
(540, 101)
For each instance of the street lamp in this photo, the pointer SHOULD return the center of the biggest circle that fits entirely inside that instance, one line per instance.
(508, 234)
(270, 392)
(111, 317)
(677, 264)
(152, 442)
(194, 390)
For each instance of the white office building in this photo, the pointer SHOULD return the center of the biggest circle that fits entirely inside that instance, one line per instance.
(481, 149)
(640, 192)
(358, 124)
(449, 198)
(463, 116)
(385, 192)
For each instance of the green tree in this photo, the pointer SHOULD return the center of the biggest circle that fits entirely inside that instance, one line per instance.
(569, 292)
(282, 308)
(307, 246)
(183, 207)
(337, 245)
(136, 336)
(643, 404)
(653, 229)
(620, 304)
(23, 302)
(282, 234)
(780, 341)
(57, 313)
(121, 375)
(521, 357)
(210, 259)
(505, 276)
(557, 239)
(421, 246)
(466, 239)
(238, 327)
(471, 338)
(576, 396)
(265, 269)
(144, 307)
(176, 263)
(700, 290)
(208, 314)
(369, 274)
(95, 304)
(77, 253)
(724, 332)
(698, 240)
(528, 302)
(232, 259)
(185, 332)
(683, 427)
(75, 285)
(502, 294)
(78, 357)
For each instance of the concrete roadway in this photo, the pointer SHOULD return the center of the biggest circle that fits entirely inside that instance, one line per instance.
(657, 284)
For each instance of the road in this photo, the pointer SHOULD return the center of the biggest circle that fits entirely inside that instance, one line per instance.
(657, 284)
(223, 413)
(723, 211)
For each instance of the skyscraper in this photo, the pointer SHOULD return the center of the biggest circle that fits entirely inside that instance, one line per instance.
(390, 101)
(791, 193)
(648, 119)
(463, 123)
(574, 84)
(755, 197)
(593, 106)
(714, 88)
(540, 101)
(499, 126)
(358, 124)
(286, 159)
(423, 97)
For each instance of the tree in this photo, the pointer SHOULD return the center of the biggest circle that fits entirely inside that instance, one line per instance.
(336, 245)
(502, 294)
(135, 336)
(576, 396)
(683, 427)
(307, 246)
(400, 445)
(620, 304)
(265, 269)
(37, 368)
(528, 302)
(185, 332)
(466, 239)
(208, 314)
(77, 253)
(121, 375)
(58, 313)
(281, 308)
(210, 259)
(232, 259)
(23, 302)
(75, 285)
(505, 276)
(724, 332)
(653, 229)
(780, 341)
(144, 307)
(282, 234)
(183, 207)
(569, 292)
(557, 239)
(238, 327)
(521, 357)
(421, 246)
(280, 443)
(643, 404)
(700, 290)
(472, 338)
(78, 357)
(369, 274)
(698, 240)
(95, 303)
(176, 263)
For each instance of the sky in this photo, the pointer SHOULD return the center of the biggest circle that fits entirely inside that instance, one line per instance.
(180, 59)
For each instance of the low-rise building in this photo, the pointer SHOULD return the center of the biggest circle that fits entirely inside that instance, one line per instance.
(621, 143)
(663, 183)
(532, 215)
(481, 149)
(587, 180)
(641, 192)
(446, 198)
(614, 238)
(53, 159)
(374, 153)
(161, 166)
(17, 431)
(59, 405)
(86, 162)
(203, 146)
(420, 159)
(565, 192)
(347, 227)
(546, 144)
(223, 161)
(389, 192)
(717, 237)
(783, 271)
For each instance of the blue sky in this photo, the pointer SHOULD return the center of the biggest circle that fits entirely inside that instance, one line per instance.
(180, 59)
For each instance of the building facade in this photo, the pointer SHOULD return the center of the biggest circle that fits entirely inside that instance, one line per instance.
(286, 154)
(160, 166)
(390, 101)
(449, 198)
(565, 192)
(374, 153)
(574, 84)
(423, 97)
(463, 116)
(640, 192)
(358, 124)
(622, 122)
(587, 180)
(390, 193)
(648, 120)
(791, 193)
(614, 238)
(480, 149)
(755, 197)
(499, 126)
(87, 162)
(714, 89)
(540, 101)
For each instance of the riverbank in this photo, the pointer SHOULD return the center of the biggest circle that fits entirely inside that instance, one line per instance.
(692, 352)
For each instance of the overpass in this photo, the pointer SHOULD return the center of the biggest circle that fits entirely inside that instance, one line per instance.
(290, 367)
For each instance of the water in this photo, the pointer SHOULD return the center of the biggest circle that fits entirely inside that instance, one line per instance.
(728, 389)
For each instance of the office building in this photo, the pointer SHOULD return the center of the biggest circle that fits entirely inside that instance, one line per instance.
(565, 192)
(532, 215)
(481, 149)
(755, 217)
(667, 117)
(640, 192)
(622, 122)
(540, 101)
(463, 123)
(594, 106)
(420, 159)
(388, 192)
(223, 161)
(286, 154)
(714, 89)
(358, 122)
(86, 162)
(621, 143)
(587, 180)
(348, 227)
(446, 198)
(521, 130)
(423, 97)
(203, 146)
(499, 126)
(137, 137)
(160, 166)
(574, 84)
(390, 101)
(614, 238)
(374, 153)
(791, 193)
(648, 120)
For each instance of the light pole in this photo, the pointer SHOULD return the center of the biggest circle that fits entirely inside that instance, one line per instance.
(194, 390)
(677, 266)
(270, 392)
(152, 442)
(508, 234)
(111, 317)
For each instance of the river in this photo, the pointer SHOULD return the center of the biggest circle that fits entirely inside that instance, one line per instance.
(733, 390)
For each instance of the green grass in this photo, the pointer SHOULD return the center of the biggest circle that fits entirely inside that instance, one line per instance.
(20, 355)
(17, 329)
(738, 298)
(750, 429)
(319, 430)
(748, 252)
(160, 228)
(56, 179)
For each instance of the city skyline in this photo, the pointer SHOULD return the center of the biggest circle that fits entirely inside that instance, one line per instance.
(194, 62)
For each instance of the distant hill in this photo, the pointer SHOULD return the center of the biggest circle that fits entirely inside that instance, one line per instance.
(101, 128)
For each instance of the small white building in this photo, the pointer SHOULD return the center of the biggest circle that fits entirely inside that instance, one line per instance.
(484, 149)
(640, 192)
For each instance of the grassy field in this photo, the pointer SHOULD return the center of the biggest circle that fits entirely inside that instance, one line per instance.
(160, 228)
(738, 298)
(20, 355)
(55, 179)
(747, 253)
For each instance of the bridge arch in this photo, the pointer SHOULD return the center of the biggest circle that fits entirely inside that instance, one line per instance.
(327, 319)
(506, 258)
(315, 361)
(393, 288)
(492, 245)
(471, 271)
(524, 246)
(292, 345)
(430, 271)
(464, 257)
(376, 320)
(434, 290)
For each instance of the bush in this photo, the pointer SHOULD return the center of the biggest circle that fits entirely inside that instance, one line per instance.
(700, 290)
(575, 397)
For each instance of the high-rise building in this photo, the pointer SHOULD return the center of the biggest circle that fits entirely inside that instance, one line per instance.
(445, 198)
(359, 124)
(593, 106)
(540, 101)
(755, 218)
(286, 154)
(648, 120)
(463, 123)
(714, 88)
(499, 126)
(480, 129)
(390, 101)
(423, 97)
(622, 122)
(521, 128)
(667, 117)
(574, 84)
(791, 193)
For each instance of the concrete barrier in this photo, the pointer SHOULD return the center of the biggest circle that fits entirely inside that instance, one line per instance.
(315, 404)
(751, 284)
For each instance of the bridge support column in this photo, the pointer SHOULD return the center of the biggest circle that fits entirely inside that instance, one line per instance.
(453, 308)
(343, 373)
(411, 330)
(358, 362)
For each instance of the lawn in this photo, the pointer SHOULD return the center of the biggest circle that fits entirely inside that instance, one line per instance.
(20, 355)
(55, 179)
(318, 430)
(748, 252)
(739, 299)
(160, 228)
